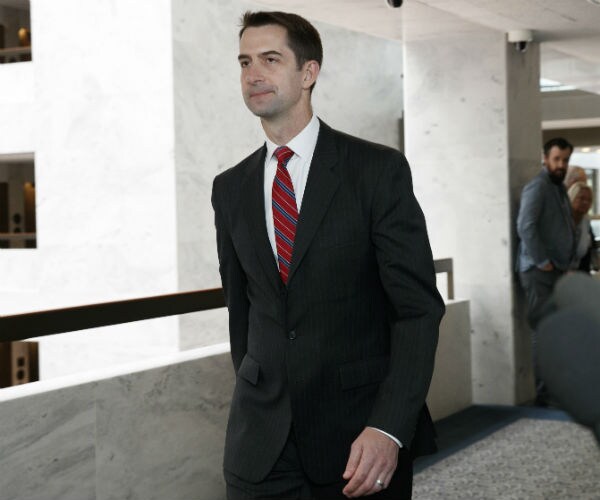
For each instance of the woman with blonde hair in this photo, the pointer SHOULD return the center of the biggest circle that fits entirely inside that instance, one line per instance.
(581, 196)
(574, 174)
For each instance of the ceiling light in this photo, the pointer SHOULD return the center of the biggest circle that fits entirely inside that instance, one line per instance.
(585, 150)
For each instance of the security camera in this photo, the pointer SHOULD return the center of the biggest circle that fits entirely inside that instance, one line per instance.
(520, 39)
(394, 4)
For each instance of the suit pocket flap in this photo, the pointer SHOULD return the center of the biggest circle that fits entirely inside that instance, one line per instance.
(363, 372)
(249, 370)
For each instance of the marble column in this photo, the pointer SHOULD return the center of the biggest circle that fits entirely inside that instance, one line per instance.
(472, 134)
(101, 128)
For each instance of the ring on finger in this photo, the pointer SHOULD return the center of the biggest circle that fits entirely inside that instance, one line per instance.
(379, 483)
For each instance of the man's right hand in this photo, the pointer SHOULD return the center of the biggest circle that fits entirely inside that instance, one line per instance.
(547, 267)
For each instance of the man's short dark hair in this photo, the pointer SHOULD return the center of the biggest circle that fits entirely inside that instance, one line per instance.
(558, 142)
(302, 37)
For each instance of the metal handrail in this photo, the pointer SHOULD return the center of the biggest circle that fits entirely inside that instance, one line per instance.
(23, 326)
(15, 51)
(69, 319)
(18, 236)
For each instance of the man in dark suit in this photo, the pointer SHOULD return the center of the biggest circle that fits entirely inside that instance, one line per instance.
(330, 285)
(547, 237)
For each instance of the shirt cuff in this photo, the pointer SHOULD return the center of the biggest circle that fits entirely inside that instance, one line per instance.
(541, 265)
(388, 435)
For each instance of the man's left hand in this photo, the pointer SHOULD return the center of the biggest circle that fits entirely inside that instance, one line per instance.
(373, 456)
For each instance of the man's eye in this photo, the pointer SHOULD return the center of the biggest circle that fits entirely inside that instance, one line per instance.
(271, 60)
(244, 64)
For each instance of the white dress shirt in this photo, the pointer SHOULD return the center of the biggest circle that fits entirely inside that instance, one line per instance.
(303, 146)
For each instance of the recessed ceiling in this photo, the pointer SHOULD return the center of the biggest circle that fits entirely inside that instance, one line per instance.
(568, 29)
(368, 16)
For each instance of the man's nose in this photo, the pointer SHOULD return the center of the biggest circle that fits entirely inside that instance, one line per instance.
(252, 75)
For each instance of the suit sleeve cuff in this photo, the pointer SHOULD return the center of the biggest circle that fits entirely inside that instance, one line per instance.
(388, 435)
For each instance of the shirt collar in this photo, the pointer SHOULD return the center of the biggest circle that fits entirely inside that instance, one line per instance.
(303, 144)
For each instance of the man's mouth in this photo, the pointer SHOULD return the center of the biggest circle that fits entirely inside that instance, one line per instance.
(260, 93)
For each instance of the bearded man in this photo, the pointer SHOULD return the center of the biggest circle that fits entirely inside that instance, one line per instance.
(547, 232)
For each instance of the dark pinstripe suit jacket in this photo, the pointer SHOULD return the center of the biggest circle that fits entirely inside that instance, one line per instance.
(351, 341)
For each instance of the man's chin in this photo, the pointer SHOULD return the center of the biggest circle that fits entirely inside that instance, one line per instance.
(558, 177)
(261, 112)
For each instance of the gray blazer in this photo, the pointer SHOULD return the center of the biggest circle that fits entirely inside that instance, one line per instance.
(545, 225)
(350, 342)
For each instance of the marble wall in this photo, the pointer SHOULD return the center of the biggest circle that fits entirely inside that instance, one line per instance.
(155, 429)
(48, 448)
(214, 130)
(459, 106)
(450, 389)
(154, 433)
(96, 108)
(17, 104)
(104, 147)
(131, 113)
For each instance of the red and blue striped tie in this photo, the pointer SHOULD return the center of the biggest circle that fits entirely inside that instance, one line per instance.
(285, 212)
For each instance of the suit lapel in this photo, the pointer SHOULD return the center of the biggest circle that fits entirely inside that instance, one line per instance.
(321, 185)
(253, 206)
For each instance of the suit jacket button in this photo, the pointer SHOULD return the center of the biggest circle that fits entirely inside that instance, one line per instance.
(292, 335)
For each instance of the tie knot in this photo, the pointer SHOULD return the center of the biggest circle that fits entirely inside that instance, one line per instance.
(283, 155)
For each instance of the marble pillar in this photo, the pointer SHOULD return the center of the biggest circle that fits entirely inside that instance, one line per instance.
(17, 106)
(524, 112)
(472, 132)
(101, 127)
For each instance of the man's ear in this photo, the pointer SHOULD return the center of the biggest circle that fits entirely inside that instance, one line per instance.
(310, 73)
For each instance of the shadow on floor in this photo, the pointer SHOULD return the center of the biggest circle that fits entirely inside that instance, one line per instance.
(476, 422)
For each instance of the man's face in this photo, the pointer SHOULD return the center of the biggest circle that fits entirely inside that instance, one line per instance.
(557, 162)
(272, 84)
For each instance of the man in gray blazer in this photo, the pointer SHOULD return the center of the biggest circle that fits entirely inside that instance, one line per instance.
(330, 285)
(547, 234)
